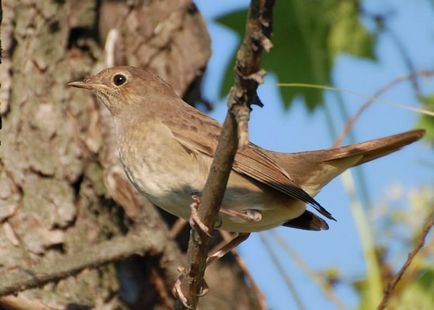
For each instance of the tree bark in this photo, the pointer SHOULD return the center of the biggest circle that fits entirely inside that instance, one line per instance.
(62, 190)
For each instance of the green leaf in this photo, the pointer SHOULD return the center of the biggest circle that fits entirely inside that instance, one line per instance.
(347, 35)
(426, 121)
(307, 37)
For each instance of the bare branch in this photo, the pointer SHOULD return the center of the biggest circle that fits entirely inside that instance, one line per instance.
(227, 237)
(315, 276)
(242, 95)
(177, 227)
(289, 283)
(149, 241)
(350, 123)
(20, 302)
(388, 291)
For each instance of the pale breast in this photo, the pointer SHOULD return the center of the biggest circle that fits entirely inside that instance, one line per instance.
(160, 168)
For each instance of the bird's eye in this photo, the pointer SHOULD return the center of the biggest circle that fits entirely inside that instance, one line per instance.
(119, 79)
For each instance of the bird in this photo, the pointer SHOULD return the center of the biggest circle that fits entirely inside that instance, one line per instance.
(166, 148)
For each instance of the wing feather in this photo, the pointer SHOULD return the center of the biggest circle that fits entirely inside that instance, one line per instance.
(199, 132)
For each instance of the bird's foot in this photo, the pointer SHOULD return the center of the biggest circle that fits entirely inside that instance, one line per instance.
(195, 221)
(177, 289)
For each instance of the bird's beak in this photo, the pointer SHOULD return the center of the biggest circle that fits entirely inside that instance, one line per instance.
(87, 84)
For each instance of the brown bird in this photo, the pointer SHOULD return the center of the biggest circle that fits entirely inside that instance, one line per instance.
(166, 147)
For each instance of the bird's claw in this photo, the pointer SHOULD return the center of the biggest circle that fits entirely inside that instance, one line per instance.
(177, 290)
(195, 221)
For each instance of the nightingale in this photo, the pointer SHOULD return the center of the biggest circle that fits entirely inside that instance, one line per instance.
(166, 148)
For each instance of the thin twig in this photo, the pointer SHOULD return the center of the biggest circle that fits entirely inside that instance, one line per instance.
(161, 288)
(21, 302)
(177, 227)
(316, 277)
(247, 77)
(388, 292)
(427, 250)
(282, 272)
(374, 277)
(350, 123)
(401, 47)
(259, 296)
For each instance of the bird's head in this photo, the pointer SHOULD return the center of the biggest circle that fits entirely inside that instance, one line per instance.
(121, 87)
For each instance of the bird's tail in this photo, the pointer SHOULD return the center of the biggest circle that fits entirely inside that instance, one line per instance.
(312, 170)
(373, 149)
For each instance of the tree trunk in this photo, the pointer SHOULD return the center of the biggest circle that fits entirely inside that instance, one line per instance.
(62, 190)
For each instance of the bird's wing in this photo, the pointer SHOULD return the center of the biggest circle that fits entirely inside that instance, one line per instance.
(200, 133)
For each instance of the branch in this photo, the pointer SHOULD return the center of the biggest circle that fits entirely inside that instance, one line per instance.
(148, 241)
(316, 277)
(227, 237)
(394, 282)
(234, 133)
(350, 123)
(281, 270)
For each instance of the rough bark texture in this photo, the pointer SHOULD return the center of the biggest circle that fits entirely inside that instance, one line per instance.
(62, 190)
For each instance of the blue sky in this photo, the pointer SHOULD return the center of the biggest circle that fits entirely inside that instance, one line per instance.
(297, 130)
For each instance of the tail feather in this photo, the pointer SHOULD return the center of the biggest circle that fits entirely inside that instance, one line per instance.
(314, 169)
(307, 221)
(373, 149)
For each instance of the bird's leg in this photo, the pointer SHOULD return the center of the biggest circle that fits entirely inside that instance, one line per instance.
(250, 215)
(253, 216)
(226, 247)
(195, 221)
